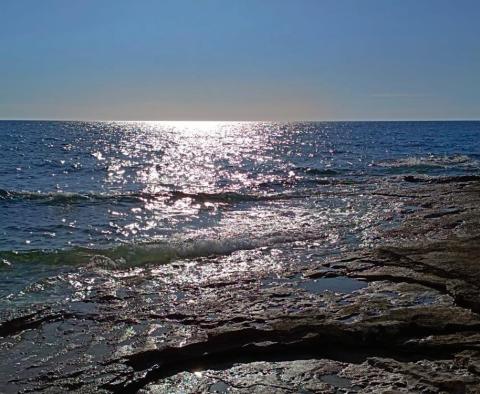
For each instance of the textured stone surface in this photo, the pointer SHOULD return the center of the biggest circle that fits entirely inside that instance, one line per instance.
(398, 315)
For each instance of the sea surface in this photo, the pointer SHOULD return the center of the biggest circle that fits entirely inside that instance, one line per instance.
(115, 195)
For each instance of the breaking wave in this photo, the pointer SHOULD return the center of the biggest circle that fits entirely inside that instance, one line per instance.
(129, 255)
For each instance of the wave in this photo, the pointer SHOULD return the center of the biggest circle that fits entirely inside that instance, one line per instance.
(12, 195)
(66, 197)
(322, 171)
(226, 197)
(130, 255)
(432, 161)
(72, 198)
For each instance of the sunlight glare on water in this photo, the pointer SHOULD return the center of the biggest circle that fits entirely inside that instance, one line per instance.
(156, 191)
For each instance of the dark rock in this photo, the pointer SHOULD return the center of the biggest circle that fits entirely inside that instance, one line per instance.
(399, 315)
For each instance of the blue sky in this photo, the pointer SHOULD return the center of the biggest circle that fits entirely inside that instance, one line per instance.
(240, 59)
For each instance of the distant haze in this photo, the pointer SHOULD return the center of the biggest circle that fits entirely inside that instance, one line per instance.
(240, 59)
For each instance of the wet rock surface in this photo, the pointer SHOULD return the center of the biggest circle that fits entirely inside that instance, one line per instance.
(399, 314)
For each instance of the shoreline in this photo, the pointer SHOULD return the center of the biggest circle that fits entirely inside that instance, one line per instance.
(405, 317)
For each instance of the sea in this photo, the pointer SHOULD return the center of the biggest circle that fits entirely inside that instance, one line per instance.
(78, 196)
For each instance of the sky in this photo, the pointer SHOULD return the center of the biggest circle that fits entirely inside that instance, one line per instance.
(240, 59)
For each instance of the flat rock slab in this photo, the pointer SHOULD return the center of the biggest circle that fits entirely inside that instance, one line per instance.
(325, 376)
(400, 314)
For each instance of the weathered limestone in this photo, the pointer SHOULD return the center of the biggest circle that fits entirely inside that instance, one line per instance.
(399, 316)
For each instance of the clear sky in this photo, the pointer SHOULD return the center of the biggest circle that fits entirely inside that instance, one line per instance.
(240, 59)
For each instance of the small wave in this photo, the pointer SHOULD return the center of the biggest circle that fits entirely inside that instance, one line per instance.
(431, 161)
(72, 198)
(59, 197)
(321, 171)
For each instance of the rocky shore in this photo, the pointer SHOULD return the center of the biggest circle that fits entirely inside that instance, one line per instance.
(402, 315)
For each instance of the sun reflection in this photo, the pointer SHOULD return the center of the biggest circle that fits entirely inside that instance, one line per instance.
(201, 127)
(211, 180)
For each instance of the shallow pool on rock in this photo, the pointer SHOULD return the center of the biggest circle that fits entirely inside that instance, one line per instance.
(339, 284)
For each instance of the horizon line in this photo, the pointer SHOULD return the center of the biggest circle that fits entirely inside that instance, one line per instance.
(239, 120)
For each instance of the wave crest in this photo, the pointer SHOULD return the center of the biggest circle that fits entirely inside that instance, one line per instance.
(130, 255)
